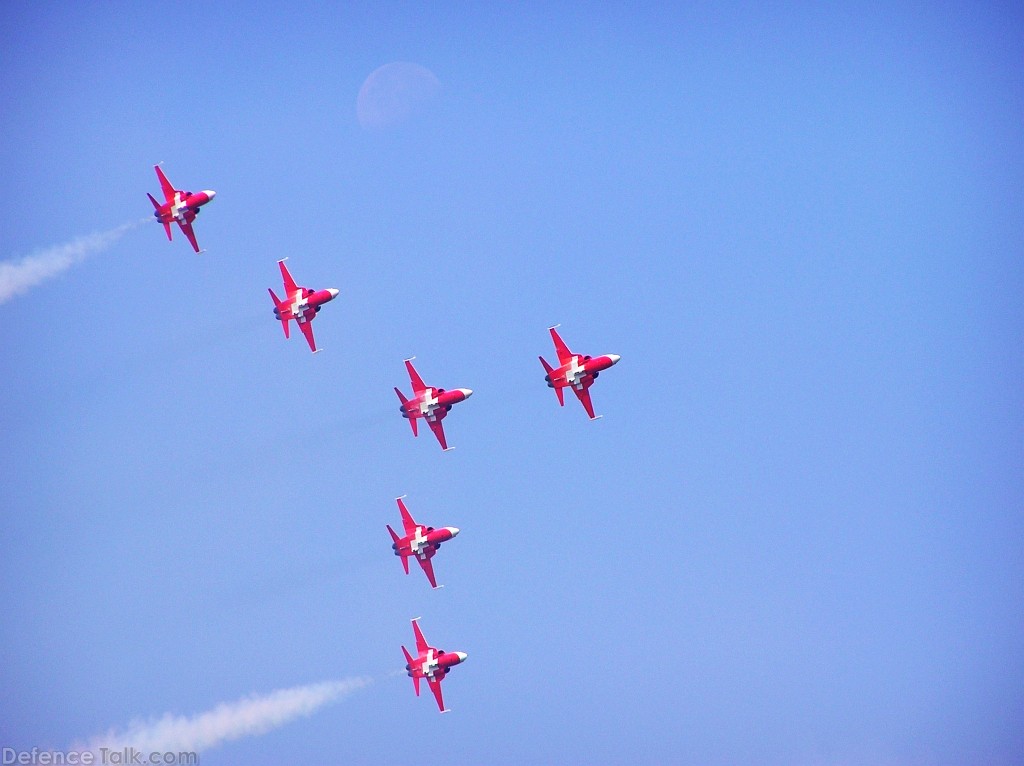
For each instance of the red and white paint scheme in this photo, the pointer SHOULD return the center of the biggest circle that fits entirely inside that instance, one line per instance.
(179, 206)
(575, 371)
(431, 404)
(430, 663)
(419, 541)
(300, 304)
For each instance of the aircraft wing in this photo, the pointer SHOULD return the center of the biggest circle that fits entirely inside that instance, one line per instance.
(189, 234)
(165, 185)
(438, 429)
(407, 520)
(289, 284)
(583, 394)
(307, 330)
(421, 642)
(564, 354)
(435, 688)
(414, 378)
(428, 570)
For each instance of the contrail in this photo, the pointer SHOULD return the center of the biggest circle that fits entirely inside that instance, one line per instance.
(19, 276)
(246, 717)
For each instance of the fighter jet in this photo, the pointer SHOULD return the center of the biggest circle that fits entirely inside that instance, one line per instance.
(431, 664)
(575, 371)
(179, 206)
(300, 304)
(419, 541)
(429, 403)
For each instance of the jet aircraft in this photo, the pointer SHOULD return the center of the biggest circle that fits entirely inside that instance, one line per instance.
(419, 541)
(576, 371)
(429, 403)
(300, 304)
(430, 663)
(179, 206)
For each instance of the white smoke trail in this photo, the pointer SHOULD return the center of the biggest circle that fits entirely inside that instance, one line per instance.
(19, 276)
(245, 717)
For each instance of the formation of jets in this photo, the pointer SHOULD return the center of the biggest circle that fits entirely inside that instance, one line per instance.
(574, 371)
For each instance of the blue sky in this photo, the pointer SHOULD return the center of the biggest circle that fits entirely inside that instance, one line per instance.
(795, 536)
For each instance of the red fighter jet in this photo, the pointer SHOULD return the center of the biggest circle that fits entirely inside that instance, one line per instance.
(300, 304)
(419, 541)
(575, 370)
(429, 403)
(180, 206)
(431, 664)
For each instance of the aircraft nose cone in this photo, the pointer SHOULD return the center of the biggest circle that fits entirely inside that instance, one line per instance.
(333, 291)
(466, 392)
(461, 655)
(210, 193)
(615, 358)
(453, 530)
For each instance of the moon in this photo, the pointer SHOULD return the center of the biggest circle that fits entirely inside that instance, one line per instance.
(395, 92)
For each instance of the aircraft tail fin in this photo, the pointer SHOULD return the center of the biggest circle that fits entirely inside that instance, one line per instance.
(415, 678)
(397, 539)
(558, 391)
(394, 537)
(412, 420)
(279, 305)
(156, 204)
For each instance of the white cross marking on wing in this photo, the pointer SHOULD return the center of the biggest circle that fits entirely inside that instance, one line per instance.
(429, 403)
(418, 541)
(178, 208)
(430, 664)
(575, 372)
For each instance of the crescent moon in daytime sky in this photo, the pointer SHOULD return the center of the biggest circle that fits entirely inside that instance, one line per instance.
(395, 92)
